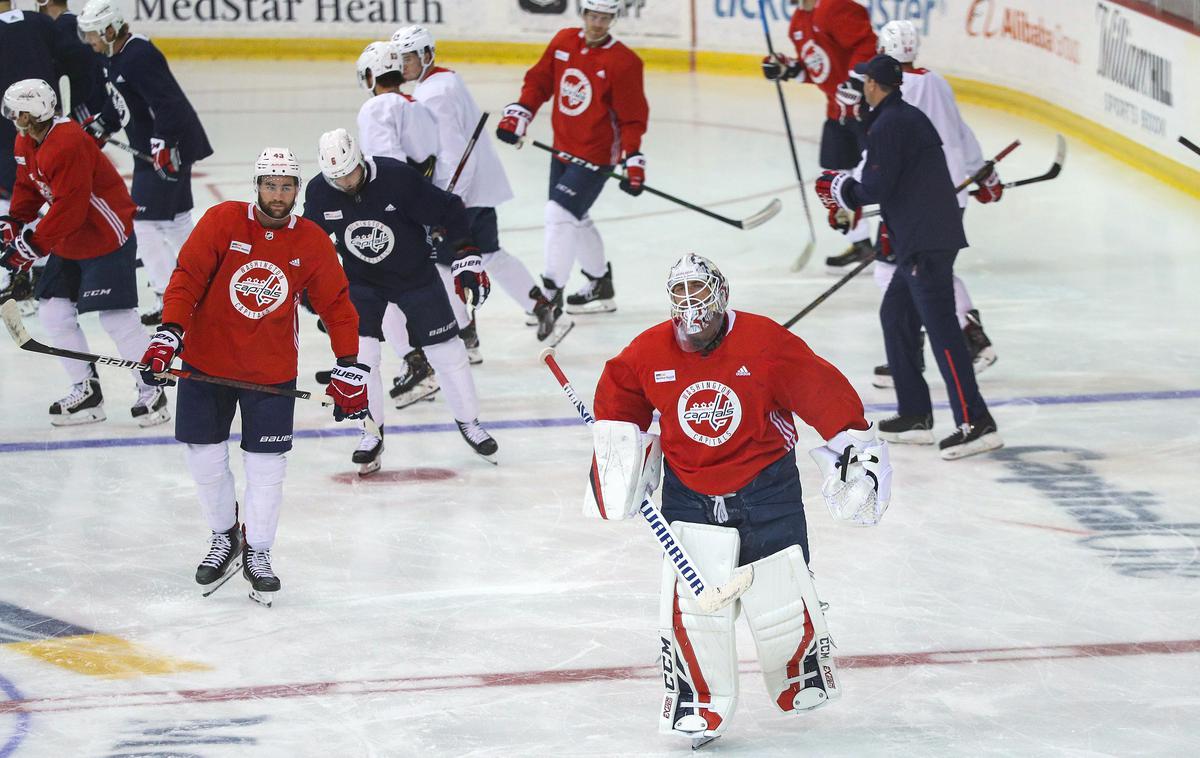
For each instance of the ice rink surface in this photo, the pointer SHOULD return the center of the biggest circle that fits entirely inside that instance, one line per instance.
(1043, 600)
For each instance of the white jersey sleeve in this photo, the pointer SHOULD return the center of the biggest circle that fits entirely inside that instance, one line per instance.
(930, 93)
(482, 183)
(394, 126)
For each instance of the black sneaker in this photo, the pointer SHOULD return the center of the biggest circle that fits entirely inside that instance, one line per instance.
(912, 430)
(858, 252)
(978, 344)
(971, 439)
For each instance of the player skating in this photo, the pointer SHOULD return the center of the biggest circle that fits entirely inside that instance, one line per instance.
(230, 311)
(727, 384)
(88, 242)
(600, 115)
(377, 210)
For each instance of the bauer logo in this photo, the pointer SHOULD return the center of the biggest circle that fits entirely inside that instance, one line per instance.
(369, 240)
(257, 289)
(709, 412)
(574, 92)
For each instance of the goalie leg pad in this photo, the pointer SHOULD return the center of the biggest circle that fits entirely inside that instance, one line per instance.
(699, 651)
(626, 467)
(795, 650)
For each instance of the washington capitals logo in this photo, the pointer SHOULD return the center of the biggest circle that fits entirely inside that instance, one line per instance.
(709, 412)
(257, 289)
(369, 240)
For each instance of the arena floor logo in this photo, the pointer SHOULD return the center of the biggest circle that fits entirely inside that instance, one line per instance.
(1123, 526)
(712, 405)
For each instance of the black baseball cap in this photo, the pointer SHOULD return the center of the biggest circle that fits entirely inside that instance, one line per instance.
(882, 68)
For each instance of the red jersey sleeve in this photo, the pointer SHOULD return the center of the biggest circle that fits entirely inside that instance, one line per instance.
(329, 293)
(629, 104)
(199, 259)
(813, 389)
(619, 395)
(69, 175)
(539, 80)
(853, 33)
(25, 196)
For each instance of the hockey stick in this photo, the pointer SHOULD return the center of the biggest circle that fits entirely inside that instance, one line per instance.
(710, 597)
(982, 173)
(131, 150)
(986, 169)
(1189, 144)
(805, 254)
(750, 222)
(462, 162)
(64, 91)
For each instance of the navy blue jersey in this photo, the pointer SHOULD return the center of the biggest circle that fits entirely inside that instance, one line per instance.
(154, 104)
(380, 232)
(905, 172)
(83, 67)
(28, 44)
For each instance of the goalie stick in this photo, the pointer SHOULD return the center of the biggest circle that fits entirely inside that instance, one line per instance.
(750, 222)
(710, 597)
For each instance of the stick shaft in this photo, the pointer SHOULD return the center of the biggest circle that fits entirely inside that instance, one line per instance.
(462, 162)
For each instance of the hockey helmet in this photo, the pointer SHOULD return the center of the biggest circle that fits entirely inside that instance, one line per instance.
(32, 96)
(368, 62)
(97, 17)
(900, 40)
(699, 296)
(418, 40)
(612, 7)
(339, 155)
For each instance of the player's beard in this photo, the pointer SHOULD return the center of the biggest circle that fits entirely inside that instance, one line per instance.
(277, 209)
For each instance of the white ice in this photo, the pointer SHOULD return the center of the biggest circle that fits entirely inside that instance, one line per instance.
(446, 607)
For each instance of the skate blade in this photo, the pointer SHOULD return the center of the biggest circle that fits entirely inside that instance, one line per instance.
(411, 399)
(596, 306)
(984, 359)
(209, 589)
(531, 320)
(474, 357)
(153, 419)
(984, 444)
(78, 419)
(914, 437)
(366, 469)
(262, 598)
(561, 330)
(883, 383)
(699, 742)
(492, 459)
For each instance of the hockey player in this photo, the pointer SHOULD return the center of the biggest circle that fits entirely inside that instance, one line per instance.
(482, 184)
(830, 37)
(377, 210)
(160, 122)
(726, 385)
(88, 237)
(906, 174)
(600, 115)
(82, 66)
(931, 93)
(230, 311)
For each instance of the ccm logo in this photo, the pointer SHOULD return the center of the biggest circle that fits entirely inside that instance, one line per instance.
(95, 293)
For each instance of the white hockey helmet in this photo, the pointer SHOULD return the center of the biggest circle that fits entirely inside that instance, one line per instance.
(418, 40)
(275, 161)
(32, 96)
(699, 296)
(98, 16)
(900, 40)
(368, 61)
(612, 7)
(338, 154)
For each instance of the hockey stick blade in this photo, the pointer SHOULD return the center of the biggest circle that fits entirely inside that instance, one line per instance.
(10, 312)
(715, 598)
(1060, 157)
(763, 216)
(805, 255)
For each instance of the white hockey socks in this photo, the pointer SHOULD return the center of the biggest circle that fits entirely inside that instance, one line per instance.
(370, 353)
(130, 337)
(699, 654)
(209, 465)
(510, 273)
(591, 249)
(449, 360)
(158, 246)
(883, 273)
(264, 496)
(794, 646)
(395, 330)
(962, 302)
(61, 322)
(562, 242)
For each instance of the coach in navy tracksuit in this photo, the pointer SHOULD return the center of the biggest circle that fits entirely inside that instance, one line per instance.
(905, 173)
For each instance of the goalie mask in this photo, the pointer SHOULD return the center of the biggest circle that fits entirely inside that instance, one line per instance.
(699, 298)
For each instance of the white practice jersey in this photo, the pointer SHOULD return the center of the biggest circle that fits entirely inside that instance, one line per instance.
(931, 94)
(482, 183)
(395, 126)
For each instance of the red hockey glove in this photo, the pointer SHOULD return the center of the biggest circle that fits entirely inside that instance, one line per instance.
(780, 67)
(20, 254)
(166, 159)
(164, 346)
(471, 282)
(348, 388)
(635, 174)
(990, 189)
(514, 121)
(10, 229)
(829, 188)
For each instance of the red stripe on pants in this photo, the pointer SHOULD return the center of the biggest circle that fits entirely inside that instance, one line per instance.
(958, 387)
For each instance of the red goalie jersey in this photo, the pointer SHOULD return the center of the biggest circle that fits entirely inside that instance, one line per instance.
(600, 108)
(724, 417)
(830, 39)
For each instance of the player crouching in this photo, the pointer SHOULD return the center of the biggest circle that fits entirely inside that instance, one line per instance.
(726, 384)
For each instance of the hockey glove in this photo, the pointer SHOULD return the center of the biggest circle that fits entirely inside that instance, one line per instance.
(10, 229)
(348, 388)
(858, 476)
(829, 189)
(635, 174)
(20, 254)
(514, 121)
(779, 67)
(471, 282)
(166, 343)
(849, 98)
(990, 188)
(96, 129)
(165, 159)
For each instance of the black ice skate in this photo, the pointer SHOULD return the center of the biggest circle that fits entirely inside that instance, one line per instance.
(222, 562)
(479, 440)
(152, 316)
(256, 567)
(552, 327)
(596, 296)
(418, 383)
(860, 251)
(151, 406)
(470, 338)
(883, 372)
(980, 347)
(971, 439)
(84, 404)
(368, 456)
(912, 430)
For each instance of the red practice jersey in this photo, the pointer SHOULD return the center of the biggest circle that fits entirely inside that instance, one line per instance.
(600, 108)
(727, 416)
(91, 213)
(236, 289)
(830, 40)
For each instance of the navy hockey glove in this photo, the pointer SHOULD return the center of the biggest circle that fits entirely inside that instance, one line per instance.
(348, 388)
(471, 282)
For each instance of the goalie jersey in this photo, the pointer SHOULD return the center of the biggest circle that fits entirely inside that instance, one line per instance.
(727, 415)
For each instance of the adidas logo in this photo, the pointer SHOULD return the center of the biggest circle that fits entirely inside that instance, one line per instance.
(295, 262)
(743, 371)
(390, 207)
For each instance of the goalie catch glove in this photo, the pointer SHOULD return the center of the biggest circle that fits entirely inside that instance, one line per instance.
(858, 476)
(626, 467)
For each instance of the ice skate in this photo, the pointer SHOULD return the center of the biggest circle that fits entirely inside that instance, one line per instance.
(368, 456)
(151, 406)
(479, 440)
(980, 347)
(470, 339)
(222, 562)
(152, 316)
(699, 742)
(860, 251)
(552, 327)
(256, 567)
(83, 405)
(912, 430)
(418, 383)
(596, 296)
(971, 439)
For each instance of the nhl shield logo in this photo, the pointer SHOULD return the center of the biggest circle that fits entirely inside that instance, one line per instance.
(709, 412)
(574, 92)
(257, 289)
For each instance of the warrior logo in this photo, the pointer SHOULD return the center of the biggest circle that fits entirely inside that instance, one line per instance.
(369, 240)
(574, 92)
(816, 60)
(257, 289)
(709, 413)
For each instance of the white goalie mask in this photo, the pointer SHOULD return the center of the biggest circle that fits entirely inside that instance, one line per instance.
(699, 296)
(32, 96)
(900, 40)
